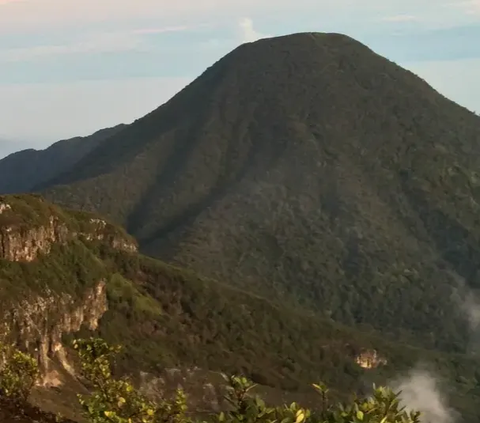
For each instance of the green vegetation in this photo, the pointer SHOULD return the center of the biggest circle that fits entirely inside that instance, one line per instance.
(18, 374)
(169, 317)
(114, 400)
(68, 264)
(26, 212)
(309, 170)
(123, 292)
(68, 269)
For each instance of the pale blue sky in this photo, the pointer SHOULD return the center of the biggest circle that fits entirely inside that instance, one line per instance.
(70, 67)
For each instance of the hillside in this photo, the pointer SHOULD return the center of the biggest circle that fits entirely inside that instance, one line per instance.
(21, 171)
(309, 169)
(71, 274)
(60, 261)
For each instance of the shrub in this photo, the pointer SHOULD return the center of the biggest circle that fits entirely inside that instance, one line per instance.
(18, 373)
(382, 407)
(117, 401)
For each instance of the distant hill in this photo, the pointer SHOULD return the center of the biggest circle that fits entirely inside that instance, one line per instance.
(308, 169)
(21, 171)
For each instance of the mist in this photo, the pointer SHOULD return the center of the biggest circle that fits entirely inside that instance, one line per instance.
(468, 302)
(420, 391)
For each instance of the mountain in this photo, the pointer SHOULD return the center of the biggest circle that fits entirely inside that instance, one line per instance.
(66, 274)
(311, 170)
(21, 171)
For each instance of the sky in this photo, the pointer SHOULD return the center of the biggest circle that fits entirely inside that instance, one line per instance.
(71, 67)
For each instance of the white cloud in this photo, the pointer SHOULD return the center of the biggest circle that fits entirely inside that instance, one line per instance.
(471, 7)
(64, 13)
(400, 18)
(247, 32)
(88, 43)
(161, 30)
(95, 42)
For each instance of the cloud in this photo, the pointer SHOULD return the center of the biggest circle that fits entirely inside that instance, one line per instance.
(161, 30)
(471, 7)
(401, 18)
(88, 43)
(247, 32)
(36, 14)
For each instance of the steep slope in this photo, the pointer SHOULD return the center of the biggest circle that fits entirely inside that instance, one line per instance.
(61, 270)
(65, 273)
(21, 171)
(306, 167)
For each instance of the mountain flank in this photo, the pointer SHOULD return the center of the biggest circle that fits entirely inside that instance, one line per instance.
(310, 170)
(21, 171)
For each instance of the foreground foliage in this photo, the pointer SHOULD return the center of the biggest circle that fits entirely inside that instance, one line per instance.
(18, 373)
(117, 401)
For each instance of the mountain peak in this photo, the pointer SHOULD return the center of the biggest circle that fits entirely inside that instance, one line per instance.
(304, 167)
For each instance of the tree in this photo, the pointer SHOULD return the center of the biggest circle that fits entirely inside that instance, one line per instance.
(116, 400)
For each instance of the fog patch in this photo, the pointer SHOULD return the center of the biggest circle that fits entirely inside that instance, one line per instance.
(420, 391)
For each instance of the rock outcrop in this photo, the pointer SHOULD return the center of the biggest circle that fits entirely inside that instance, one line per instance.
(37, 319)
(25, 245)
(21, 240)
(37, 325)
(370, 359)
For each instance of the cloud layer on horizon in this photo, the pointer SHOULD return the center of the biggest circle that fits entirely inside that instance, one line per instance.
(108, 43)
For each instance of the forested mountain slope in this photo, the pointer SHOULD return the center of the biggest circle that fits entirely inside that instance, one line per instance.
(305, 168)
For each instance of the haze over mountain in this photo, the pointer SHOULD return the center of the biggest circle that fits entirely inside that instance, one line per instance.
(21, 171)
(306, 168)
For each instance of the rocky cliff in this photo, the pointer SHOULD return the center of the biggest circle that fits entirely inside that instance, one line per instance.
(38, 323)
(29, 227)
(36, 316)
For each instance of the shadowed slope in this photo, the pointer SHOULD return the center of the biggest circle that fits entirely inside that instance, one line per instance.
(21, 171)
